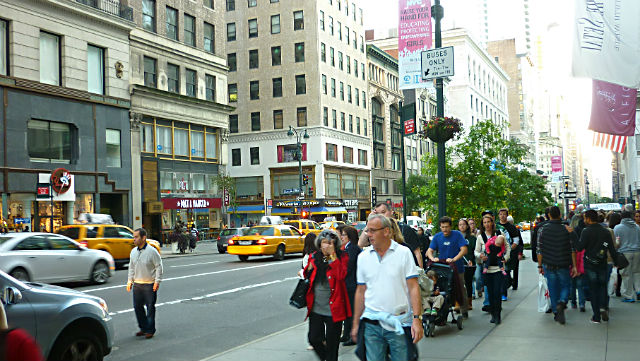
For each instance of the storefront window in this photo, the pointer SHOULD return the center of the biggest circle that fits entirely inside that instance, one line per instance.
(212, 145)
(181, 142)
(332, 185)
(199, 184)
(284, 181)
(83, 204)
(182, 182)
(163, 139)
(166, 182)
(348, 185)
(44, 212)
(197, 144)
(249, 186)
(146, 134)
(363, 187)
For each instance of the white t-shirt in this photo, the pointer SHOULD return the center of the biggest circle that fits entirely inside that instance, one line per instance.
(386, 278)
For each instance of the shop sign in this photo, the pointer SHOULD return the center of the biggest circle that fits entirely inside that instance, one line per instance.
(351, 203)
(374, 195)
(226, 197)
(307, 203)
(42, 191)
(61, 180)
(191, 203)
(290, 191)
(21, 220)
(269, 203)
(154, 207)
(333, 203)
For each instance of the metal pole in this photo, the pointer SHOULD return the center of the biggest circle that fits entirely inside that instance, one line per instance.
(51, 201)
(300, 173)
(437, 12)
(404, 175)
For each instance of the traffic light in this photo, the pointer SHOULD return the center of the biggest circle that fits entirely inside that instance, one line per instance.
(304, 214)
(305, 179)
(310, 195)
(566, 186)
(572, 206)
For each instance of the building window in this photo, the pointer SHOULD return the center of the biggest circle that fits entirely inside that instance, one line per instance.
(211, 143)
(180, 141)
(378, 158)
(343, 125)
(113, 148)
(254, 90)
(332, 56)
(255, 121)
(362, 157)
(233, 123)
(231, 31)
(299, 52)
(95, 67)
(254, 154)
(324, 84)
(301, 85)
(235, 157)
(331, 25)
(163, 139)
(332, 152)
(321, 20)
(232, 61)
(149, 15)
(342, 91)
(361, 44)
(357, 94)
(355, 41)
(347, 155)
(50, 141)
(364, 127)
(210, 81)
(277, 87)
(302, 116)
(298, 20)
(278, 122)
(350, 123)
(172, 23)
(395, 161)
(339, 31)
(348, 185)
(253, 59)
(209, 38)
(231, 5)
(275, 24)
(232, 89)
(190, 30)
(340, 62)
(49, 58)
(358, 125)
(364, 100)
(208, 3)
(276, 56)
(252, 3)
(332, 184)
(333, 87)
(348, 64)
(4, 55)
(253, 28)
(323, 52)
(334, 117)
(325, 116)
(197, 143)
(173, 78)
(150, 72)
(349, 99)
(347, 33)
(192, 82)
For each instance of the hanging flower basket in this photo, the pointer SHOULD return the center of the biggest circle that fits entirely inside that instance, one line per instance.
(440, 129)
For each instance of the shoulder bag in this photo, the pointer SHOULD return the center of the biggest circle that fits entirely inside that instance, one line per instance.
(299, 297)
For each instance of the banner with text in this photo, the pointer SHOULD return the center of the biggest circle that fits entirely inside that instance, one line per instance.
(414, 36)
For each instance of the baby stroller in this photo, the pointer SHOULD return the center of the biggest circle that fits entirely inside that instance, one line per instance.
(445, 284)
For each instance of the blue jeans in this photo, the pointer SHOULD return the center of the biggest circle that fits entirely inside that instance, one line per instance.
(578, 284)
(378, 341)
(598, 279)
(144, 296)
(559, 283)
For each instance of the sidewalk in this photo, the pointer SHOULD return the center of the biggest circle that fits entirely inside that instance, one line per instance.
(524, 334)
(204, 247)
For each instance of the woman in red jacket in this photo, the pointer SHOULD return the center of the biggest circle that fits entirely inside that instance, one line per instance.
(327, 301)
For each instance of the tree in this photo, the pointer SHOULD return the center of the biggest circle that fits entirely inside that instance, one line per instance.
(225, 182)
(413, 200)
(484, 171)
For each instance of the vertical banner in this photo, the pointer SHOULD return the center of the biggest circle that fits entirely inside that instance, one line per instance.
(556, 164)
(414, 36)
(613, 109)
(606, 43)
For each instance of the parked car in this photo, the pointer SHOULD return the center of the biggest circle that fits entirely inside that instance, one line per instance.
(115, 239)
(227, 234)
(47, 257)
(276, 240)
(67, 324)
(304, 226)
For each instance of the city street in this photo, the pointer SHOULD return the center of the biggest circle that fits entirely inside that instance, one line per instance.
(207, 304)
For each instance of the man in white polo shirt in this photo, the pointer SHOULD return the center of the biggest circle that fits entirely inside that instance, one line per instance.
(387, 299)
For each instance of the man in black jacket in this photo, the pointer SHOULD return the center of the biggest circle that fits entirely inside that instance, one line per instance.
(596, 241)
(555, 255)
(514, 261)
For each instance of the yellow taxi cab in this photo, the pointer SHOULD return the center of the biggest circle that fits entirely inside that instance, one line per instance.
(331, 225)
(305, 226)
(276, 240)
(112, 238)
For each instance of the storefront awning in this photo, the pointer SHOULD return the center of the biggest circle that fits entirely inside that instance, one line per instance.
(281, 211)
(328, 210)
(247, 209)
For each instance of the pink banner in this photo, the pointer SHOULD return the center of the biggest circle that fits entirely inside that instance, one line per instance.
(414, 37)
(613, 109)
(556, 164)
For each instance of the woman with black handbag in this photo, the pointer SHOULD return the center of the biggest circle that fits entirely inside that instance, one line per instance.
(327, 301)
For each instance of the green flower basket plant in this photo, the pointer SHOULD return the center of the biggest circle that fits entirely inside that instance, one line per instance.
(440, 129)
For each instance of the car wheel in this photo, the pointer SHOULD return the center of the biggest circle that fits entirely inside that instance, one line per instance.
(220, 249)
(279, 255)
(243, 258)
(20, 274)
(77, 345)
(100, 272)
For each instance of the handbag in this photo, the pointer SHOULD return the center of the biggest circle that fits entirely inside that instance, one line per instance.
(620, 260)
(299, 297)
(544, 301)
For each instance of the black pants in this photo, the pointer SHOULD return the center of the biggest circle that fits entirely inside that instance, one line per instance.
(346, 332)
(494, 282)
(468, 280)
(516, 268)
(322, 328)
(598, 278)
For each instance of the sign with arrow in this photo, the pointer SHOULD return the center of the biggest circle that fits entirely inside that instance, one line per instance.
(437, 63)
(567, 195)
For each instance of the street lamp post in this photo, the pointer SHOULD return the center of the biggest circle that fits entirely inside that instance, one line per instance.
(292, 131)
(437, 12)
(586, 185)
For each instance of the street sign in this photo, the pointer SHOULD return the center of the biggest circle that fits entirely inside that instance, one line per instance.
(409, 118)
(374, 195)
(269, 203)
(290, 191)
(226, 197)
(437, 63)
(567, 195)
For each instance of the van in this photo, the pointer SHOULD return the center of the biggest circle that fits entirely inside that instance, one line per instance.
(415, 222)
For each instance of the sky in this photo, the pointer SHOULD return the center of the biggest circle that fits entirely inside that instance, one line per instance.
(382, 15)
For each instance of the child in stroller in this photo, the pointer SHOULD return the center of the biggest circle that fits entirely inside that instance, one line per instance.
(435, 300)
(494, 250)
(441, 276)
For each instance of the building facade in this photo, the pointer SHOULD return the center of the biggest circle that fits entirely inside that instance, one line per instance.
(299, 65)
(65, 112)
(179, 113)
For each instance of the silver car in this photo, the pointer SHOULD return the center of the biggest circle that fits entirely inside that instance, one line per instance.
(68, 325)
(46, 257)
(227, 234)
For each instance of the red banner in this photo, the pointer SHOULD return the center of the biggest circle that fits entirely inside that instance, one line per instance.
(191, 203)
(409, 127)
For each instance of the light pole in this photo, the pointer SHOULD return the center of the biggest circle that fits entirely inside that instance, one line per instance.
(437, 12)
(586, 185)
(292, 131)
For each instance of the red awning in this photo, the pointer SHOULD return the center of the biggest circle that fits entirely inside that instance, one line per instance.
(191, 203)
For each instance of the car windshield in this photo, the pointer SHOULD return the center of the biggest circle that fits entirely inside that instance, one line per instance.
(260, 231)
(4, 239)
(228, 232)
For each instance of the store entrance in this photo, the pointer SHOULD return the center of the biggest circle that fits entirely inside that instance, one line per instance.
(113, 204)
(44, 216)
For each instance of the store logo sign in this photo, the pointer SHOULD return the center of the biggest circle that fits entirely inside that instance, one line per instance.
(60, 180)
(193, 203)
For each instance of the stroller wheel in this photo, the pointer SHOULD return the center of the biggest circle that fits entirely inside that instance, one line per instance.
(431, 330)
(459, 322)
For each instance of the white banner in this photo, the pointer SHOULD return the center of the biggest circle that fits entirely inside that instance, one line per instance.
(607, 41)
(414, 37)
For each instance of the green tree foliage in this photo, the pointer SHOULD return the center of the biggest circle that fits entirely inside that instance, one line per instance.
(484, 171)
